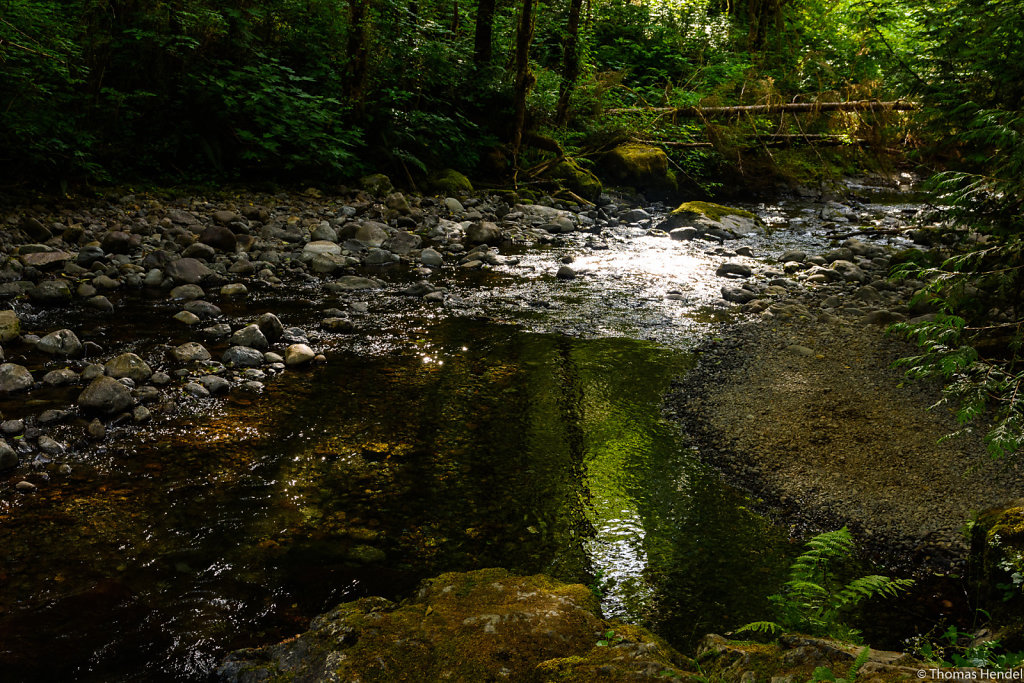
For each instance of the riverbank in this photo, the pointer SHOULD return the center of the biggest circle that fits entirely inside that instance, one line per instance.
(803, 407)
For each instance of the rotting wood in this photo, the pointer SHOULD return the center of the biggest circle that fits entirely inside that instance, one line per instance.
(781, 108)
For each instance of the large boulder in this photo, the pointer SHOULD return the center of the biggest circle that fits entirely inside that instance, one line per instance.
(449, 182)
(474, 626)
(709, 218)
(106, 395)
(578, 180)
(641, 167)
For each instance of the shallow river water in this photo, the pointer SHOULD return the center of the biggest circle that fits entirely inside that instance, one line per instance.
(520, 426)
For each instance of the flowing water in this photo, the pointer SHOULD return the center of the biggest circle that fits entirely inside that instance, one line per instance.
(520, 427)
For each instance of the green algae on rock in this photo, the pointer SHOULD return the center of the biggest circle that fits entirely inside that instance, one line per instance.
(577, 179)
(472, 626)
(642, 167)
(449, 182)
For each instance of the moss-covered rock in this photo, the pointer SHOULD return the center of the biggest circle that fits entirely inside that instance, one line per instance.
(715, 212)
(377, 184)
(473, 626)
(577, 179)
(723, 222)
(641, 167)
(795, 658)
(449, 182)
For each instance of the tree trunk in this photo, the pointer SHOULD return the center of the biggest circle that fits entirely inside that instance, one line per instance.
(357, 48)
(791, 108)
(484, 29)
(570, 63)
(524, 77)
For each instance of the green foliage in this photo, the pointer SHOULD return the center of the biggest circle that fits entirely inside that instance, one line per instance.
(955, 648)
(824, 673)
(814, 600)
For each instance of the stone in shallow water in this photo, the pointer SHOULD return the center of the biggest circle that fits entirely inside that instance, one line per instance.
(14, 378)
(128, 365)
(106, 395)
(60, 343)
(298, 354)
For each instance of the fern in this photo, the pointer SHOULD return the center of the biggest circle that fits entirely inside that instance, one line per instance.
(813, 602)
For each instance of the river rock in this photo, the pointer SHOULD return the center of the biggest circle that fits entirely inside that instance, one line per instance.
(402, 242)
(198, 250)
(50, 292)
(52, 259)
(733, 269)
(849, 271)
(60, 377)
(271, 327)
(120, 242)
(320, 248)
(565, 273)
(234, 290)
(378, 257)
(242, 357)
(737, 295)
(106, 395)
(10, 326)
(202, 309)
(8, 456)
(483, 232)
(219, 237)
(474, 626)
(298, 354)
(188, 271)
(349, 283)
(128, 365)
(215, 384)
(187, 292)
(431, 258)
(60, 343)
(226, 217)
(370, 234)
(250, 336)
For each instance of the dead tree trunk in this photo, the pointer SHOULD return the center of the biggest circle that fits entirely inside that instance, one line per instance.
(790, 108)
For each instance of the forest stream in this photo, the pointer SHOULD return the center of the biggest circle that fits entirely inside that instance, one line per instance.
(522, 427)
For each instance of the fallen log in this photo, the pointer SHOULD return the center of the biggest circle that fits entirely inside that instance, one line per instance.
(781, 108)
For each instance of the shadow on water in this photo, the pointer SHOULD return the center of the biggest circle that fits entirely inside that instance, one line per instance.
(474, 445)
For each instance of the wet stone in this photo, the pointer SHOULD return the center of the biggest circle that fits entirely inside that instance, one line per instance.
(214, 384)
(60, 378)
(128, 365)
(186, 318)
(51, 292)
(242, 357)
(49, 446)
(203, 309)
(196, 389)
(12, 427)
(106, 395)
(250, 336)
(8, 456)
(96, 430)
(234, 290)
(271, 327)
(187, 292)
(190, 352)
(14, 378)
(298, 354)
(10, 326)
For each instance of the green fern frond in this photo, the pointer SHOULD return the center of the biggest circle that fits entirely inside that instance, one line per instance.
(769, 627)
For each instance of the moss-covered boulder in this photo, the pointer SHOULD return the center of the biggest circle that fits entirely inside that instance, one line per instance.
(474, 626)
(641, 167)
(376, 184)
(795, 658)
(449, 182)
(705, 218)
(577, 179)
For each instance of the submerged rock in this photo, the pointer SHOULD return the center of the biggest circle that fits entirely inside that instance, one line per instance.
(474, 626)
(106, 395)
